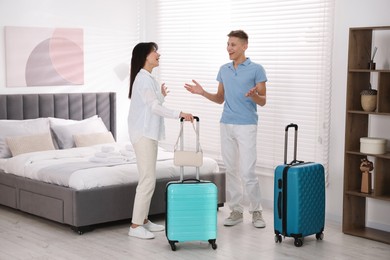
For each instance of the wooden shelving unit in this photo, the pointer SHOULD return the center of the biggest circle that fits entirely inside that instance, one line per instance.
(357, 125)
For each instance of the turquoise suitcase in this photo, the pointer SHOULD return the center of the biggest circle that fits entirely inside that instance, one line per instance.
(299, 198)
(192, 205)
(191, 212)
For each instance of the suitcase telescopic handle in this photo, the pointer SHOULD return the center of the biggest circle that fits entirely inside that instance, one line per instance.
(195, 117)
(181, 137)
(191, 180)
(295, 126)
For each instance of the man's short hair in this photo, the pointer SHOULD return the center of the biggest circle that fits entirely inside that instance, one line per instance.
(239, 34)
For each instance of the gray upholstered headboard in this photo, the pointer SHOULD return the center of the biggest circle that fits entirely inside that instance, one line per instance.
(74, 106)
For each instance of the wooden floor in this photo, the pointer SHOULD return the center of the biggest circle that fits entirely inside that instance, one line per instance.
(23, 236)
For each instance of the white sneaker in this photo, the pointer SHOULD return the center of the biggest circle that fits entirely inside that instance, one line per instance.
(140, 232)
(153, 227)
(257, 219)
(234, 218)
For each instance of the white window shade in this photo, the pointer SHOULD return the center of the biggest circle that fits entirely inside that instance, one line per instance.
(291, 39)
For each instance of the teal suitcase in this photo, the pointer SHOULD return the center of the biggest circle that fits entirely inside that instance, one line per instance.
(191, 212)
(192, 205)
(299, 198)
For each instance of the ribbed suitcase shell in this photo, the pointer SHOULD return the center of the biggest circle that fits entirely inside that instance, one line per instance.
(191, 211)
(305, 205)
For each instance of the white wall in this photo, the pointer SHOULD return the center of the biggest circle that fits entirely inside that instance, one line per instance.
(108, 42)
(107, 27)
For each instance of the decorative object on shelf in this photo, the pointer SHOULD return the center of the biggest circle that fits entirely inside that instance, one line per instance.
(372, 145)
(369, 99)
(365, 167)
(371, 64)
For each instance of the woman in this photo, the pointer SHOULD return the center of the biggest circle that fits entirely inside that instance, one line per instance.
(146, 128)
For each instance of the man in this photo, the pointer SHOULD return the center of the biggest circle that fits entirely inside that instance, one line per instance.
(241, 88)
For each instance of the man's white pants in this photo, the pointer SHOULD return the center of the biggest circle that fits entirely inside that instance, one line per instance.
(146, 153)
(238, 149)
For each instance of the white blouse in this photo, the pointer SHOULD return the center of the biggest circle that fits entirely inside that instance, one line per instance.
(146, 113)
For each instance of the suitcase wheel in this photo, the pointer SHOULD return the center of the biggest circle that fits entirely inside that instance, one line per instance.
(298, 242)
(173, 246)
(278, 238)
(211, 241)
(320, 236)
(213, 244)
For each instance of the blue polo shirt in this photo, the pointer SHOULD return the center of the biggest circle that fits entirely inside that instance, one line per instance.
(239, 109)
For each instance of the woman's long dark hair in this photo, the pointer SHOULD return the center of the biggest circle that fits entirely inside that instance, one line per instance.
(138, 59)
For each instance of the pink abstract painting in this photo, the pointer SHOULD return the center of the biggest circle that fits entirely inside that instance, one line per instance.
(44, 56)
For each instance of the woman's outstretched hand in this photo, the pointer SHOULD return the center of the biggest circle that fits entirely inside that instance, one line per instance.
(164, 90)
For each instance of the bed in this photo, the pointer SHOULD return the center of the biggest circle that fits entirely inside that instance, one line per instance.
(80, 208)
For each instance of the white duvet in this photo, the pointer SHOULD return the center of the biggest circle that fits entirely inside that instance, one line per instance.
(94, 166)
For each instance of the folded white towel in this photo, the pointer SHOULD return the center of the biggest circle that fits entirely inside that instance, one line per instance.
(107, 149)
(101, 155)
(129, 147)
(127, 153)
(108, 154)
(117, 159)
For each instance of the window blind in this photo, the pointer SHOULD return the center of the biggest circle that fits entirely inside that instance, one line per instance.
(291, 39)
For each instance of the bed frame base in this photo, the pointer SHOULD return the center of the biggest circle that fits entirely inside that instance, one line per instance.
(81, 209)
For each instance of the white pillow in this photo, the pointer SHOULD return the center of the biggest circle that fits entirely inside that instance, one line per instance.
(54, 121)
(10, 128)
(30, 143)
(64, 133)
(93, 139)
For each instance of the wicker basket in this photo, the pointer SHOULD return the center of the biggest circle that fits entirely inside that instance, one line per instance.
(368, 100)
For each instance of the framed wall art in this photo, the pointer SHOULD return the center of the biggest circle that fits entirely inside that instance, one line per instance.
(38, 56)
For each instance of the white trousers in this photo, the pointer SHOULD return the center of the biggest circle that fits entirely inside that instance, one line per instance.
(238, 149)
(146, 153)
